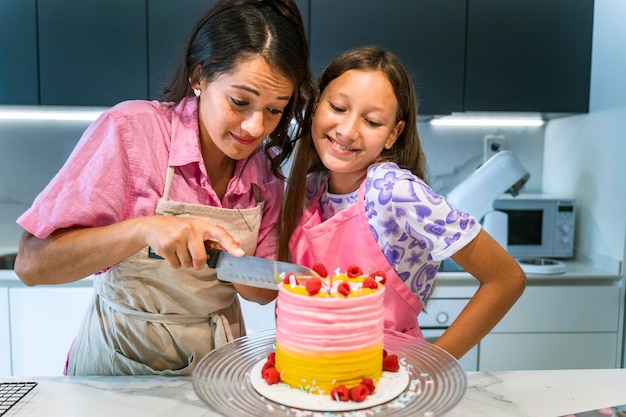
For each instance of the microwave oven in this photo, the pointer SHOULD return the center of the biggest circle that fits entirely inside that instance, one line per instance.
(539, 226)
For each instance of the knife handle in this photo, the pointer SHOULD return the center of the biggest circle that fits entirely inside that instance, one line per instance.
(214, 256)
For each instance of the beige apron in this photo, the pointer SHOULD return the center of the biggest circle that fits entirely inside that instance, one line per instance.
(147, 318)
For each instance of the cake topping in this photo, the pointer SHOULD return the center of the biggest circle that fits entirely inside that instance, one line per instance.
(359, 393)
(343, 288)
(369, 383)
(340, 393)
(290, 279)
(354, 271)
(313, 285)
(350, 284)
(271, 376)
(379, 276)
(320, 269)
(370, 282)
(390, 363)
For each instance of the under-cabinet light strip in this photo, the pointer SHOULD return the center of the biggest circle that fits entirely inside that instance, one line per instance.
(34, 113)
(480, 121)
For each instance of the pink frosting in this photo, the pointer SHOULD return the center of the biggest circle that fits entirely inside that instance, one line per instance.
(326, 325)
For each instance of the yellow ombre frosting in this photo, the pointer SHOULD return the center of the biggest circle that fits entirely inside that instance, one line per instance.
(327, 340)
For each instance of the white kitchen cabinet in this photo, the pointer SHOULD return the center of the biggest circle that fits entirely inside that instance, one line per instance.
(44, 322)
(38, 325)
(530, 351)
(556, 327)
(5, 333)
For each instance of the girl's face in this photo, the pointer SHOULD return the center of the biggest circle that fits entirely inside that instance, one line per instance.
(354, 120)
(238, 109)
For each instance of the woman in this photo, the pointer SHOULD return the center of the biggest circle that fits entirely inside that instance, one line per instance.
(367, 203)
(201, 168)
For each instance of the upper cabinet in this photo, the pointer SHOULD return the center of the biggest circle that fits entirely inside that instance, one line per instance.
(19, 83)
(428, 35)
(169, 25)
(531, 55)
(463, 55)
(92, 53)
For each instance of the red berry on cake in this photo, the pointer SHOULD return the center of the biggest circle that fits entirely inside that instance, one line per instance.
(290, 279)
(390, 363)
(320, 270)
(369, 383)
(354, 271)
(382, 277)
(340, 393)
(313, 285)
(359, 393)
(343, 288)
(271, 376)
(370, 282)
(385, 353)
(267, 365)
(271, 357)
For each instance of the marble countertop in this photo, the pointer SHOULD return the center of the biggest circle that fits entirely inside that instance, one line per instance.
(577, 271)
(489, 394)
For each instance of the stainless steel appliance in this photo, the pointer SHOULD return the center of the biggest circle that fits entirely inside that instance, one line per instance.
(539, 226)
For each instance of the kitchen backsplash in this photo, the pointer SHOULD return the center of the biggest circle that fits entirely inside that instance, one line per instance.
(31, 152)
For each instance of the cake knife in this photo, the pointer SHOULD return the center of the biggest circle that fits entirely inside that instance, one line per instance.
(249, 270)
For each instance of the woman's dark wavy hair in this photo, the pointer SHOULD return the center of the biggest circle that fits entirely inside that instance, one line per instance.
(407, 150)
(234, 30)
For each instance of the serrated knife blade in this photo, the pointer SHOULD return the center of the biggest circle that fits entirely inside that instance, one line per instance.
(249, 270)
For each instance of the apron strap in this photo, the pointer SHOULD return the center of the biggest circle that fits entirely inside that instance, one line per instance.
(223, 333)
(168, 182)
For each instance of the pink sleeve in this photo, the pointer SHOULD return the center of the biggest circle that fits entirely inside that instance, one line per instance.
(89, 189)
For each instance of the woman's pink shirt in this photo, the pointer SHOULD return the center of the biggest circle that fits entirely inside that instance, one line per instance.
(117, 171)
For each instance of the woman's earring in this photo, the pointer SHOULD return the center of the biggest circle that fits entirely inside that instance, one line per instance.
(197, 92)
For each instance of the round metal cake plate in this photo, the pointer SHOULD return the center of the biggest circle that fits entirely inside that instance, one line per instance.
(222, 380)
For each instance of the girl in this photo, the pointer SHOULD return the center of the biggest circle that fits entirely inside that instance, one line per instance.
(359, 173)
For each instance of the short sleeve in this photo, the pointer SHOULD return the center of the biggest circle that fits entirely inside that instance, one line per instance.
(415, 227)
(89, 189)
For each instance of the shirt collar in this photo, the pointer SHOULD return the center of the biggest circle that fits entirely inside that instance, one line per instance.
(185, 148)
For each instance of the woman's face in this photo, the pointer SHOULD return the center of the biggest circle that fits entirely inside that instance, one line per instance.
(354, 120)
(238, 109)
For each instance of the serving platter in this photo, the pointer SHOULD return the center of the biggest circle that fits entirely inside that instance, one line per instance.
(222, 379)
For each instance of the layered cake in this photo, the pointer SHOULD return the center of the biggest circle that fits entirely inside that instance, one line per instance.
(329, 334)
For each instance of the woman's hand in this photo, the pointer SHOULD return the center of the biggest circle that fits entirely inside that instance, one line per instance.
(183, 241)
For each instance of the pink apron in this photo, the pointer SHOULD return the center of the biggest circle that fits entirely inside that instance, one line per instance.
(346, 239)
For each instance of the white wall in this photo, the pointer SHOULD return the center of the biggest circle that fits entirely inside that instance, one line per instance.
(31, 152)
(585, 156)
(453, 153)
